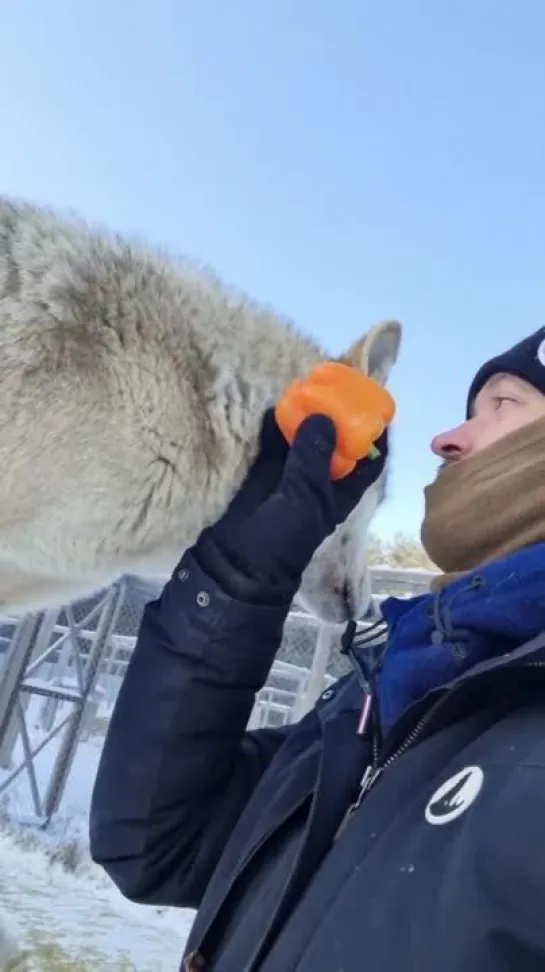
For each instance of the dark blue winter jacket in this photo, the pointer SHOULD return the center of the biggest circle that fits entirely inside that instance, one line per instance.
(440, 868)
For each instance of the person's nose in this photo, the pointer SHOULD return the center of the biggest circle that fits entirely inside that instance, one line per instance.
(454, 444)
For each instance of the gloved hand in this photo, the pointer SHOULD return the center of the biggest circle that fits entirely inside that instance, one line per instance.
(286, 507)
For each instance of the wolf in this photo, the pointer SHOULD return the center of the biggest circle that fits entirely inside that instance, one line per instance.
(133, 386)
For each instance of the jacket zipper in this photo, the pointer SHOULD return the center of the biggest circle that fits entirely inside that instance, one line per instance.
(375, 770)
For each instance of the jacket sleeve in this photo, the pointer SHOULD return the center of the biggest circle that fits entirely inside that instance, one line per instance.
(178, 766)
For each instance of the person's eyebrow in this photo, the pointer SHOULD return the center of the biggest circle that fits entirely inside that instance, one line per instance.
(496, 379)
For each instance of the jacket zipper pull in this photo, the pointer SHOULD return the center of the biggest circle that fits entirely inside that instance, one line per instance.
(371, 774)
(368, 780)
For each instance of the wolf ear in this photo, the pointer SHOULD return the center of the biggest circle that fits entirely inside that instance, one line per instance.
(376, 353)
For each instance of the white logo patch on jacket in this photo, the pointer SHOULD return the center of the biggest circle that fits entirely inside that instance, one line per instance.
(455, 796)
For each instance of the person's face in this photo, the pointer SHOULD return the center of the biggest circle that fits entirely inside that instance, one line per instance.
(504, 403)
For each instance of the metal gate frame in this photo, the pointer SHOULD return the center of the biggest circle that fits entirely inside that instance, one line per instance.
(18, 681)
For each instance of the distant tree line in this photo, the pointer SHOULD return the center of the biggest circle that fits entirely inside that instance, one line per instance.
(402, 550)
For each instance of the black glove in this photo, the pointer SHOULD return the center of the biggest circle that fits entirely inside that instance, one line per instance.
(286, 507)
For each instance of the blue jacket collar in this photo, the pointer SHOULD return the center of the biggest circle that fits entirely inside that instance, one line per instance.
(480, 621)
(435, 638)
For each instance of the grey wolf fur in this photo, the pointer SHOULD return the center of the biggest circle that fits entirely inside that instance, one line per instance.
(132, 390)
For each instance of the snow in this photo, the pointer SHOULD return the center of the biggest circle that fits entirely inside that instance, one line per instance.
(77, 911)
(84, 916)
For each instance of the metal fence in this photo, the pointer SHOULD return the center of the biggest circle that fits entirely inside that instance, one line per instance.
(68, 664)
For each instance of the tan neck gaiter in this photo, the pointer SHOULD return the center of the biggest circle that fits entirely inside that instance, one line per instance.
(487, 506)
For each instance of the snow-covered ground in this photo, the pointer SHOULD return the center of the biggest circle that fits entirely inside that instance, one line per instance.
(82, 922)
(68, 913)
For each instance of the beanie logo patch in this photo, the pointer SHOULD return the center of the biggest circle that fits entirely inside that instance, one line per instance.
(541, 353)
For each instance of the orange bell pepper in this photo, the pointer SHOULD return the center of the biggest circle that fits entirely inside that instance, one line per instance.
(358, 406)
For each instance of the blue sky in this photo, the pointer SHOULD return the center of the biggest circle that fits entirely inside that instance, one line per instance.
(343, 161)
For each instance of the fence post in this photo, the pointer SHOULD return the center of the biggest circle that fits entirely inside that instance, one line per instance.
(40, 644)
(70, 739)
(15, 666)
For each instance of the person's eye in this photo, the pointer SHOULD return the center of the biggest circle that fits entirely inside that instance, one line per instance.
(500, 400)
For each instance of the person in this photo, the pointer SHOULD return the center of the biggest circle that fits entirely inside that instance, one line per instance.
(409, 838)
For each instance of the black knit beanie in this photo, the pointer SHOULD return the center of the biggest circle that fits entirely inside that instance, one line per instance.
(525, 360)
